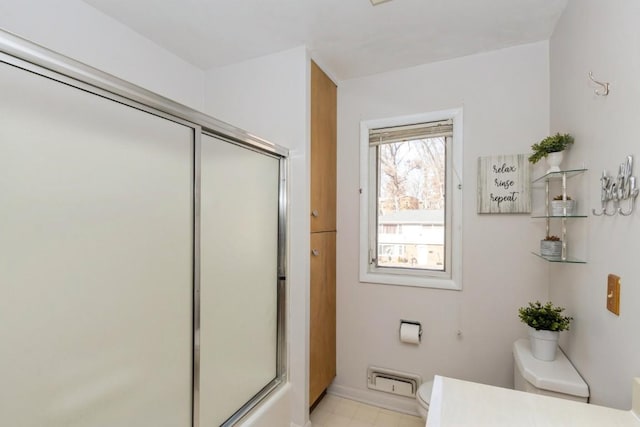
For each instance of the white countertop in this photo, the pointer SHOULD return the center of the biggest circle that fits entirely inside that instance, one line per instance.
(463, 403)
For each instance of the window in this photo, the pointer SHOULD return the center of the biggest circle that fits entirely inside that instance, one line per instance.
(411, 200)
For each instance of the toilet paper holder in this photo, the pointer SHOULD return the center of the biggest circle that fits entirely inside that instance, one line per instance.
(412, 323)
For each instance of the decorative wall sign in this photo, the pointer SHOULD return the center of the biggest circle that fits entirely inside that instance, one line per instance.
(504, 184)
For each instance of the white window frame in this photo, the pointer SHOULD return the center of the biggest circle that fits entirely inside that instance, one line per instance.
(451, 278)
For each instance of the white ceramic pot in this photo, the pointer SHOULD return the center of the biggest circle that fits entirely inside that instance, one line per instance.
(554, 160)
(544, 344)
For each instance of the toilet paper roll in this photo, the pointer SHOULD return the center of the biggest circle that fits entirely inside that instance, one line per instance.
(410, 333)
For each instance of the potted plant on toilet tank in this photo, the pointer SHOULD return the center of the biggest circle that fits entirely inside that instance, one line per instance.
(545, 324)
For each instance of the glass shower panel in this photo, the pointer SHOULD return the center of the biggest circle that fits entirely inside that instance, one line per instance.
(96, 260)
(239, 254)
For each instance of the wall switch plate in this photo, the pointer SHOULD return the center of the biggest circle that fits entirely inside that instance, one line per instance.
(613, 294)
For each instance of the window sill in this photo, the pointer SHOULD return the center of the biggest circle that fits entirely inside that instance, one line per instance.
(417, 281)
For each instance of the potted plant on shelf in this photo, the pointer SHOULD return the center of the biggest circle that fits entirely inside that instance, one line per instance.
(545, 324)
(551, 148)
(559, 204)
(551, 247)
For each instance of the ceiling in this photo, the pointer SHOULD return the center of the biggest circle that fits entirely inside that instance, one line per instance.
(350, 38)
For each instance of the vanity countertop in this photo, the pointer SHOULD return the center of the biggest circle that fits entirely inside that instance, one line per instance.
(463, 403)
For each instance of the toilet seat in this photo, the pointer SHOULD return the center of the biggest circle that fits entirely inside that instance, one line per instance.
(424, 393)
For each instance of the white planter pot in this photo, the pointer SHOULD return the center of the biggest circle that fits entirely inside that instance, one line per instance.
(558, 206)
(554, 160)
(544, 344)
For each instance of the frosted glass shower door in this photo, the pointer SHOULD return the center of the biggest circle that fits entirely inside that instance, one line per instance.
(96, 260)
(239, 256)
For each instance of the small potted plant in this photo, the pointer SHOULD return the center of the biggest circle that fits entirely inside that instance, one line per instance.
(563, 206)
(551, 148)
(545, 324)
(551, 247)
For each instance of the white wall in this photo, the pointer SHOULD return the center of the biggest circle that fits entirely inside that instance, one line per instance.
(81, 32)
(504, 95)
(606, 40)
(269, 96)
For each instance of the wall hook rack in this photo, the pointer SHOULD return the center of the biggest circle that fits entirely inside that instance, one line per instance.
(622, 188)
(604, 91)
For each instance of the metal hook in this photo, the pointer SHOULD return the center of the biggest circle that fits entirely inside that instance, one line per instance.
(603, 211)
(615, 211)
(632, 202)
(604, 85)
(603, 208)
(625, 213)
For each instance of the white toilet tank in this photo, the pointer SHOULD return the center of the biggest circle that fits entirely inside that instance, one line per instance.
(557, 378)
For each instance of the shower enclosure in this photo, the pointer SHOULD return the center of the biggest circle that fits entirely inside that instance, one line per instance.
(142, 249)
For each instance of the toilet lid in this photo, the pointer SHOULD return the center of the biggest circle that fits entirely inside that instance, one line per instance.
(424, 392)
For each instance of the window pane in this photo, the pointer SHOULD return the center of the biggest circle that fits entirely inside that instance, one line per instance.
(411, 204)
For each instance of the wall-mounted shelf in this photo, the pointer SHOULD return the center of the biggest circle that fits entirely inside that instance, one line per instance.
(567, 261)
(559, 175)
(559, 216)
(548, 216)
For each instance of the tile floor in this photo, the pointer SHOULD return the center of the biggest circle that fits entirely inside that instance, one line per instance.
(333, 411)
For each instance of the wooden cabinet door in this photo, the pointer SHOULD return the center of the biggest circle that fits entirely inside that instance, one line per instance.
(323, 151)
(322, 328)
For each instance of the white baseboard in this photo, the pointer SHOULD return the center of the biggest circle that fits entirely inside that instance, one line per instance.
(308, 424)
(384, 400)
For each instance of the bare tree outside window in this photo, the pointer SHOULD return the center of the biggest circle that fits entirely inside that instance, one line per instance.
(411, 201)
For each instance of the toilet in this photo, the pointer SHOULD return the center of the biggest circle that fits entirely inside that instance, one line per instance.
(557, 378)
(423, 397)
